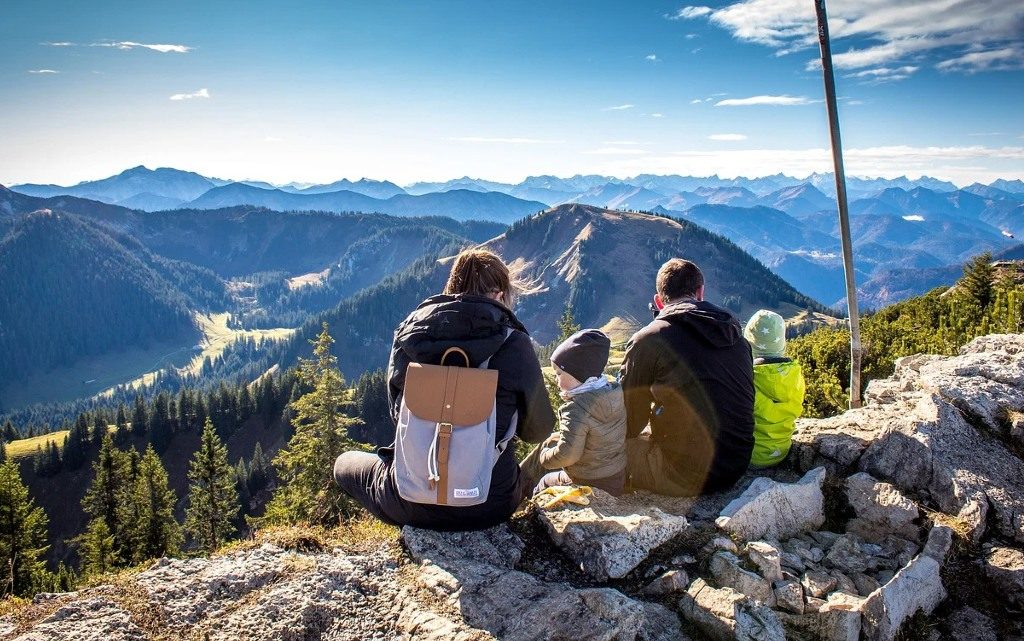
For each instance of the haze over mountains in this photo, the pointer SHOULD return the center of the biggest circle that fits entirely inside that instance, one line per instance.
(787, 223)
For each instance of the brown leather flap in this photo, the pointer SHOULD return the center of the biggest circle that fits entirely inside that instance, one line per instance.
(471, 393)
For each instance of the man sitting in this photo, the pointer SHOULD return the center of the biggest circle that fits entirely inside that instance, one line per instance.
(689, 375)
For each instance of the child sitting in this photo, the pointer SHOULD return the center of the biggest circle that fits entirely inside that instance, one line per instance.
(589, 446)
(778, 389)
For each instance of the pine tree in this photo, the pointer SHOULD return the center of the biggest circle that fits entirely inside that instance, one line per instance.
(140, 417)
(259, 469)
(567, 325)
(9, 432)
(242, 483)
(122, 437)
(99, 429)
(76, 445)
(213, 500)
(160, 423)
(978, 282)
(108, 498)
(97, 549)
(3, 451)
(156, 532)
(22, 536)
(308, 492)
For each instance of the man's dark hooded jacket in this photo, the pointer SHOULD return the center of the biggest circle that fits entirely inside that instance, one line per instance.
(694, 366)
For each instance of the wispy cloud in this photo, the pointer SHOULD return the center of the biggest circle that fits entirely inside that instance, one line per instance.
(57, 44)
(987, 133)
(202, 93)
(652, 58)
(884, 74)
(126, 45)
(1004, 59)
(43, 71)
(896, 31)
(621, 142)
(655, 115)
(779, 101)
(505, 141)
(689, 13)
(727, 137)
(618, 108)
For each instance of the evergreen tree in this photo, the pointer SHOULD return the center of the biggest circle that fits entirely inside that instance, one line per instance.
(259, 470)
(370, 405)
(140, 417)
(9, 432)
(242, 483)
(308, 492)
(3, 451)
(108, 498)
(160, 423)
(567, 325)
(213, 500)
(22, 536)
(97, 549)
(156, 532)
(122, 437)
(99, 428)
(978, 282)
(76, 444)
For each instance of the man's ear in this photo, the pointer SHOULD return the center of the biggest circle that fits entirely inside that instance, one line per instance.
(700, 293)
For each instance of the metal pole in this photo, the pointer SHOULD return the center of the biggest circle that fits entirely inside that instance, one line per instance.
(844, 214)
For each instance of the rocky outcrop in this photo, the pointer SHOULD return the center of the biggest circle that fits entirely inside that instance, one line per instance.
(910, 507)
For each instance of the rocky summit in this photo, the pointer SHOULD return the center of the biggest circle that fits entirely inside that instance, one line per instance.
(901, 519)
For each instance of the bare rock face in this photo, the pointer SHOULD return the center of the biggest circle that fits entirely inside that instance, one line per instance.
(881, 509)
(1005, 567)
(490, 596)
(611, 536)
(769, 509)
(724, 614)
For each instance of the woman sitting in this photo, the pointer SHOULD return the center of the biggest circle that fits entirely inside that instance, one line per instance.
(473, 314)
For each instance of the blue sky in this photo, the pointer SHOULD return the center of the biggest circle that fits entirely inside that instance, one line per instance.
(434, 90)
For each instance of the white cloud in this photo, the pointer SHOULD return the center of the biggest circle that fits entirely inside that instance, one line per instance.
(616, 151)
(727, 137)
(653, 58)
(689, 13)
(781, 101)
(618, 108)
(655, 115)
(202, 93)
(621, 142)
(1004, 59)
(128, 44)
(914, 218)
(885, 74)
(57, 44)
(506, 141)
(43, 71)
(885, 31)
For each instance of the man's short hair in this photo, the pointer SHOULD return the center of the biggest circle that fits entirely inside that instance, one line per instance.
(679, 278)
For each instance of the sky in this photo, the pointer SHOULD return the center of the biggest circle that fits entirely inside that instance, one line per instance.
(416, 90)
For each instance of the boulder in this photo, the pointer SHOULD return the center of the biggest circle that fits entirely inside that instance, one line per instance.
(917, 587)
(789, 596)
(1005, 568)
(837, 443)
(667, 583)
(727, 572)
(491, 596)
(767, 558)
(881, 509)
(847, 556)
(611, 536)
(769, 509)
(724, 614)
(837, 619)
(818, 584)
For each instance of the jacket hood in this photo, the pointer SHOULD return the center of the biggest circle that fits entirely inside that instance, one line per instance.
(477, 324)
(604, 404)
(717, 326)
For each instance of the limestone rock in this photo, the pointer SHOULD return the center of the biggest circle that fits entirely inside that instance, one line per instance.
(865, 584)
(818, 584)
(917, 587)
(726, 569)
(90, 619)
(847, 556)
(789, 595)
(611, 536)
(881, 509)
(837, 443)
(1005, 568)
(833, 625)
(769, 509)
(767, 558)
(726, 615)
(495, 546)
(667, 583)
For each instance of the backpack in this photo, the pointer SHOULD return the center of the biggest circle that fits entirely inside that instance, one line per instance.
(445, 446)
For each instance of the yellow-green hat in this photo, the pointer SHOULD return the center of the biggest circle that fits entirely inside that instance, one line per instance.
(766, 333)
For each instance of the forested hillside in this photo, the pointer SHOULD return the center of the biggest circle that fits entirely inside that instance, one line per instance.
(70, 288)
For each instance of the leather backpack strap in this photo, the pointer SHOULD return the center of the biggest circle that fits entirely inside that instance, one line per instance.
(444, 433)
(455, 350)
